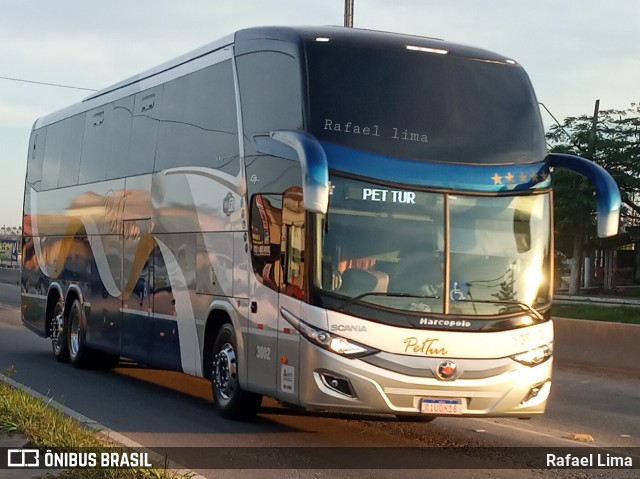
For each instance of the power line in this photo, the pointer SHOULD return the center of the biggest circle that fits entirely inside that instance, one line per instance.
(22, 80)
(556, 120)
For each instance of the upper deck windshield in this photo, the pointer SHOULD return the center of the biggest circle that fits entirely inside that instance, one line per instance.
(423, 106)
(389, 247)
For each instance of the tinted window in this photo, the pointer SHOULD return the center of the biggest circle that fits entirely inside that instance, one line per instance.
(71, 150)
(52, 153)
(266, 234)
(170, 144)
(117, 149)
(199, 124)
(270, 91)
(35, 158)
(96, 138)
(385, 241)
(423, 106)
(144, 132)
(293, 241)
(62, 153)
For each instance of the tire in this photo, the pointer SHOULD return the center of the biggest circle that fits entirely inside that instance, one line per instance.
(231, 400)
(58, 334)
(79, 353)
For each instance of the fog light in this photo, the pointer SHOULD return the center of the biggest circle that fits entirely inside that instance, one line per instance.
(537, 394)
(338, 384)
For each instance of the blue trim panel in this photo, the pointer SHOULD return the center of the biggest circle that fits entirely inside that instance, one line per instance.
(151, 340)
(455, 176)
(165, 345)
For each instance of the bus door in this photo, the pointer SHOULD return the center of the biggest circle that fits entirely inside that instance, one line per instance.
(262, 337)
(291, 291)
(137, 281)
(277, 229)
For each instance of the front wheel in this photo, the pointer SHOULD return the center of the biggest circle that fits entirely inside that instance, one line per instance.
(231, 400)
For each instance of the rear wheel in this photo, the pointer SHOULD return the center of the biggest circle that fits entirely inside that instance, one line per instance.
(231, 400)
(79, 353)
(57, 331)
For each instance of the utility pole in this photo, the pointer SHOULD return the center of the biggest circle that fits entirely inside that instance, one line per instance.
(581, 259)
(348, 13)
(592, 154)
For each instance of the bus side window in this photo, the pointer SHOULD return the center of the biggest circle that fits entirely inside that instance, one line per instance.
(266, 224)
(35, 163)
(293, 234)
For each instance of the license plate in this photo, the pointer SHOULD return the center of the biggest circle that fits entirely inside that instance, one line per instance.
(441, 406)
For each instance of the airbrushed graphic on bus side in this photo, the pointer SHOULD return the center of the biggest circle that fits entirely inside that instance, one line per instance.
(74, 225)
(215, 215)
(185, 318)
(210, 216)
(236, 184)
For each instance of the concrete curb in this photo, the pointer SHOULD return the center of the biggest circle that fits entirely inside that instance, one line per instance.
(598, 344)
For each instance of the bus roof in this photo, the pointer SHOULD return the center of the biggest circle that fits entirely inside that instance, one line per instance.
(251, 39)
(362, 37)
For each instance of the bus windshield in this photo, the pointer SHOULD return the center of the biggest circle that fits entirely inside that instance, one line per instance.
(389, 247)
(423, 106)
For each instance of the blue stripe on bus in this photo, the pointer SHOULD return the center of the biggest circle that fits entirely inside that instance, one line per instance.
(151, 340)
(486, 178)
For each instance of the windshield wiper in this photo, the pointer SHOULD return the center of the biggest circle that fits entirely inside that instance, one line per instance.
(358, 298)
(522, 305)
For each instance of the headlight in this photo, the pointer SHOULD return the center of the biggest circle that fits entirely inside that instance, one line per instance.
(326, 340)
(535, 356)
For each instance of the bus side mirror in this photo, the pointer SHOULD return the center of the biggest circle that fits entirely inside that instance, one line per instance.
(303, 147)
(609, 200)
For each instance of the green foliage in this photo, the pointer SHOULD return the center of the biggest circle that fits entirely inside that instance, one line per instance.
(507, 291)
(612, 314)
(574, 209)
(47, 427)
(616, 147)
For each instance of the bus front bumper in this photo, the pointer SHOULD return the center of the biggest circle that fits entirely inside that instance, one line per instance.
(487, 388)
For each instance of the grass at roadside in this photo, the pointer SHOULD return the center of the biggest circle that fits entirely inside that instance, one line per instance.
(614, 314)
(47, 427)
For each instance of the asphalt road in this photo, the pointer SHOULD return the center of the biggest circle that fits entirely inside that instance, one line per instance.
(164, 409)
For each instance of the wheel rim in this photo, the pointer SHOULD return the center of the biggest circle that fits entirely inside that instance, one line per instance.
(224, 371)
(57, 331)
(74, 333)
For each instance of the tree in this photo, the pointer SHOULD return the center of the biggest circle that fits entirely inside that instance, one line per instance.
(616, 147)
(507, 291)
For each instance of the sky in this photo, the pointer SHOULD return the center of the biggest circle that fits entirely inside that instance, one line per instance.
(574, 51)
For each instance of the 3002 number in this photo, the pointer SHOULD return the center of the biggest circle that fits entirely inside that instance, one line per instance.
(263, 352)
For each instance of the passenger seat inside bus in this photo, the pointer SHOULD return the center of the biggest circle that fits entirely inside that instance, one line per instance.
(358, 281)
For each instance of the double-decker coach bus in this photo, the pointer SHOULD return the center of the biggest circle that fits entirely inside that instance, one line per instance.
(339, 219)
